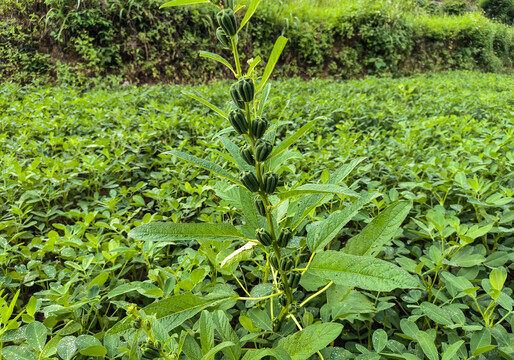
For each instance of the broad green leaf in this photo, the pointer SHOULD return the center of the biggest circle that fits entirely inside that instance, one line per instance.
(122, 289)
(170, 232)
(450, 352)
(204, 164)
(51, 347)
(182, 2)
(379, 231)
(249, 13)
(379, 340)
(31, 306)
(325, 231)
(6, 315)
(97, 350)
(210, 354)
(483, 349)
(361, 271)
(225, 330)
(219, 59)
(292, 138)
(176, 309)
(99, 280)
(305, 343)
(260, 319)
(35, 332)
(206, 103)
(497, 278)
(427, 345)
(436, 313)
(276, 353)
(17, 352)
(480, 339)
(279, 46)
(67, 347)
(409, 328)
(206, 332)
(317, 189)
(250, 214)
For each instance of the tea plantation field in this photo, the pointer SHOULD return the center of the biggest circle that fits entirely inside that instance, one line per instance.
(80, 168)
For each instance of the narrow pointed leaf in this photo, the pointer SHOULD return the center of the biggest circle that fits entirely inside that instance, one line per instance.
(379, 231)
(204, 164)
(249, 13)
(216, 349)
(206, 103)
(254, 63)
(317, 189)
(234, 151)
(291, 139)
(170, 232)
(279, 46)
(361, 271)
(427, 345)
(182, 2)
(325, 231)
(450, 352)
(305, 343)
(217, 58)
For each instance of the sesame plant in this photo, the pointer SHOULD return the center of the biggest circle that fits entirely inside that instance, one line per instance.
(278, 281)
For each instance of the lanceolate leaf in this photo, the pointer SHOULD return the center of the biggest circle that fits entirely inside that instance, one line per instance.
(279, 46)
(305, 343)
(170, 232)
(379, 231)
(234, 151)
(182, 2)
(317, 189)
(291, 139)
(206, 103)
(249, 13)
(174, 310)
(217, 58)
(324, 232)
(361, 271)
(207, 165)
(427, 345)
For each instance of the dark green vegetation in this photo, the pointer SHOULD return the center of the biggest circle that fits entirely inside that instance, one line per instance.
(80, 169)
(72, 40)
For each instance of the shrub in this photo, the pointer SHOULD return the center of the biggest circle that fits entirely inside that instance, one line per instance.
(501, 10)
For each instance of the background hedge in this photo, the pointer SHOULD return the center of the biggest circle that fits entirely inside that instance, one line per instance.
(72, 40)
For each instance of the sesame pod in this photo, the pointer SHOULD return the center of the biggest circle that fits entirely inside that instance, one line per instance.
(246, 89)
(286, 264)
(136, 324)
(246, 153)
(227, 20)
(238, 121)
(249, 180)
(263, 149)
(235, 96)
(259, 205)
(147, 324)
(294, 280)
(223, 38)
(149, 352)
(274, 261)
(263, 236)
(157, 345)
(259, 127)
(270, 182)
(284, 237)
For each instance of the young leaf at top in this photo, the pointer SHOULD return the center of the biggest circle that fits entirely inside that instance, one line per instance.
(249, 13)
(279, 46)
(206, 103)
(182, 2)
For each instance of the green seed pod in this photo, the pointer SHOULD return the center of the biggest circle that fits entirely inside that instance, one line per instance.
(282, 299)
(227, 20)
(246, 153)
(228, 4)
(270, 182)
(235, 96)
(263, 236)
(263, 149)
(294, 280)
(157, 345)
(223, 38)
(136, 324)
(149, 352)
(259, 205)
(273, 260)
(238, 121)
(286, 264)
(284, 237)
(259, 127)
(147, 324)
(249, 180)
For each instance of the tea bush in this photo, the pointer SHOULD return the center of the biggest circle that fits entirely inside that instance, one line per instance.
(82, 167)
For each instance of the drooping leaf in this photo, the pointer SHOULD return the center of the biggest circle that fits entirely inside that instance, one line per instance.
(325, 231)
(379, 231)
(317, 189)
(206, 103)
(204, 164)
(217, 58)
(170, 232)
(305, 343)
(279, 46)
(182, 2)
(176, 309)
(361, 271)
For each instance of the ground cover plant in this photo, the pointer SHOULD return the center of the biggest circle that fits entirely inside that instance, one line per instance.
(80, 169)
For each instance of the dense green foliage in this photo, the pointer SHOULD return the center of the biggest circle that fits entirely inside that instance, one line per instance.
(501, 10)
(81, 168)
(70, 40)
